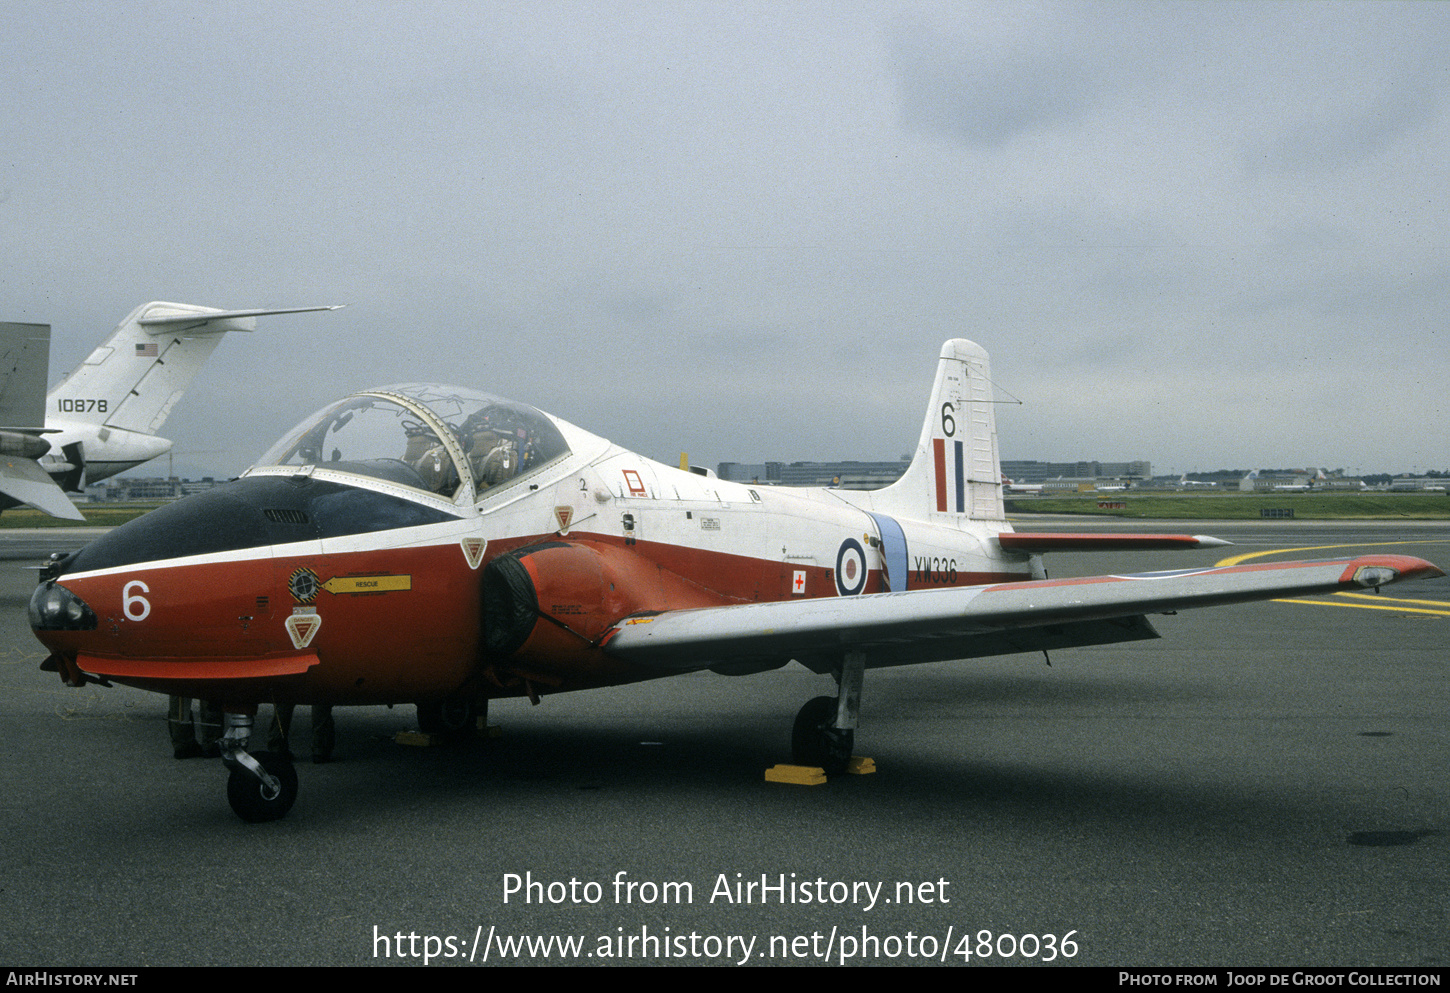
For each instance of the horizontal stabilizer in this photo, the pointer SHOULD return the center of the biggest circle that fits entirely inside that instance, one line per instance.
(1017, 541)
(24, 480)
(163, 321)
(967, 622)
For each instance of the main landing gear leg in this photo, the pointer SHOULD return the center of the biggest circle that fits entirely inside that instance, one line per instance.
(825, 729)
(261, 787)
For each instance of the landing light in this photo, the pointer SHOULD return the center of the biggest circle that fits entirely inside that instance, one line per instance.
(1375, 575)
(55, 608)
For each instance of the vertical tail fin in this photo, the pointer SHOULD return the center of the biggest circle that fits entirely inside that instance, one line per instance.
(24, 366)
(133, 380)
(955, 474)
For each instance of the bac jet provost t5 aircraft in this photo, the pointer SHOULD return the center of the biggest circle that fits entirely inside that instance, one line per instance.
(442, 546)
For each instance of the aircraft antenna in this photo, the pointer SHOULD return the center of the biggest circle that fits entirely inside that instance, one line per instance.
(996, 387)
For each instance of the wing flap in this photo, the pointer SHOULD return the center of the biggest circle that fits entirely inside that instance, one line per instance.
(936, 625)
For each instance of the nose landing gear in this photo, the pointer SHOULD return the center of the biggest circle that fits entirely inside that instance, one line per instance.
(261, 787)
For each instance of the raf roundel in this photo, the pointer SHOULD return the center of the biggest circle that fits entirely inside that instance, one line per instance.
(850, 568)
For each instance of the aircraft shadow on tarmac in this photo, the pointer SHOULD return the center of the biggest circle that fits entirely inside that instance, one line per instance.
(617, 768)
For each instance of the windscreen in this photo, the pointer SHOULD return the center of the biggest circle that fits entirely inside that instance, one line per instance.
(373, 436)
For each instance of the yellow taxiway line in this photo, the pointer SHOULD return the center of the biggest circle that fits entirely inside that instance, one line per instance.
(1236, 559)
(1370, 606)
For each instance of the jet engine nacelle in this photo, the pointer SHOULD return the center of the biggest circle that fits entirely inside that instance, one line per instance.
(25, 446)
(548, 607)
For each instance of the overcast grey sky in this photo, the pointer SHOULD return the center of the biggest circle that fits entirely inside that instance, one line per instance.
(1210, 235)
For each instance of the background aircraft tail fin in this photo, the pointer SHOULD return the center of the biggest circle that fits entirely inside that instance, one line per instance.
(955, 473)
(24, 367)
(133, 380)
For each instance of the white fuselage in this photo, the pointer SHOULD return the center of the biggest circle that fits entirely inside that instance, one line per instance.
(107, 450)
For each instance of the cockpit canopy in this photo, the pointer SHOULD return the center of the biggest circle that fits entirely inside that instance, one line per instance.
(424, 436)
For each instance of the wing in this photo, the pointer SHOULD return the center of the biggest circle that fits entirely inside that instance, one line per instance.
(968, 622)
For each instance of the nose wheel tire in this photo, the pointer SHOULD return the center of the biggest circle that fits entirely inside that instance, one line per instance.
(816, 741)
(253, 800)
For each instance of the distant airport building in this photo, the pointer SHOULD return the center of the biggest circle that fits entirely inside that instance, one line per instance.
(847, 475)
(148, 488)
(1041, 472)
(750, 472)
(1431, 484)
(1298, 480)
(1069, 484)
(874, 475)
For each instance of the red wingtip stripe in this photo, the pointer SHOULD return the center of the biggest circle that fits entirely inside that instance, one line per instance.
(1407, 567)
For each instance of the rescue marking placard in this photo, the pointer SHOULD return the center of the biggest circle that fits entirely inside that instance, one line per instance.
(367, 584)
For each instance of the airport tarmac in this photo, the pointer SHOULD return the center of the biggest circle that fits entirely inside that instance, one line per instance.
(1265, 785)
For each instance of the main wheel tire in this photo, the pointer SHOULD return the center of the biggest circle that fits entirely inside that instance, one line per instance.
(249, 796)
(450, 718)
(815, 741)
